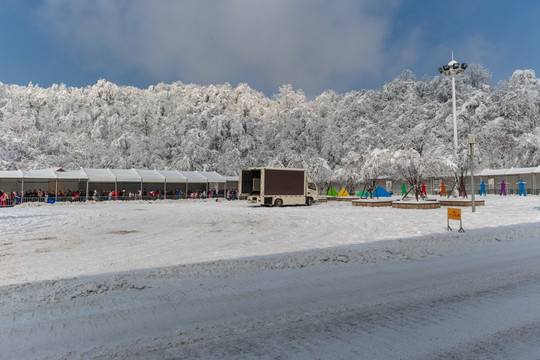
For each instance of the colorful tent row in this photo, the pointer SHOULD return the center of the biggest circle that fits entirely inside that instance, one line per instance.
(379, 192)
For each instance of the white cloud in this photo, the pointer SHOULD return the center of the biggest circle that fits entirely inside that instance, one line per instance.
(311, 44)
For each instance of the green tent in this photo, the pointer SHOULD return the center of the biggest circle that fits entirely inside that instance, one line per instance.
(363, 193)
(331, 192)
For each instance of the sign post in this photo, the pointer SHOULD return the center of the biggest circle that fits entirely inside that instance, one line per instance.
(472, 141)
(454, 214)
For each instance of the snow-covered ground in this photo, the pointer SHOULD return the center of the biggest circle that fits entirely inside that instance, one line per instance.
(206, 279)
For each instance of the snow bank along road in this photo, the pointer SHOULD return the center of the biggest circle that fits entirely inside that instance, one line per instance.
(270, 295)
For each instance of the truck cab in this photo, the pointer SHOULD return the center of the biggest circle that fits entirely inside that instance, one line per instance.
(312, 192)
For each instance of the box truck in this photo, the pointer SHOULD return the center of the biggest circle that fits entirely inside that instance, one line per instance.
(276, 187)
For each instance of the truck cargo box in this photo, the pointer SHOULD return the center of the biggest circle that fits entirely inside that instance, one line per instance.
(284, 182)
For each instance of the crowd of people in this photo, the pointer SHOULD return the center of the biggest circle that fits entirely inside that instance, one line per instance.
(8, 199)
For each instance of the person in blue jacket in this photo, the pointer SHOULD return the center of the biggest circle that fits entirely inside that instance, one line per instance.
(522, 188)
(482, 188)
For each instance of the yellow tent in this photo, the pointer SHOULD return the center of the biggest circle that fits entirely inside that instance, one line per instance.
(343, 192)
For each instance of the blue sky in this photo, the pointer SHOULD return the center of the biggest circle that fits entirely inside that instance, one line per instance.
(314, 45)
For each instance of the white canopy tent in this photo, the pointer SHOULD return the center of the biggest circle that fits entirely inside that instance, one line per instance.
(52, 174)
(151, 176)
(213, 177)
(126, 175)
(173, 177)
(194, 176)
(99, 175)
(232, 183)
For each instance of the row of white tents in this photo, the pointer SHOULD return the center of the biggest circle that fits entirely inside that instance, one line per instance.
(131, 180)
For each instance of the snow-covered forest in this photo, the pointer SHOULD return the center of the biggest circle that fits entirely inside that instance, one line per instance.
(223, 128)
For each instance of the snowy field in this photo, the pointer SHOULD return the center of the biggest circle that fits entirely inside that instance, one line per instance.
(207, 279)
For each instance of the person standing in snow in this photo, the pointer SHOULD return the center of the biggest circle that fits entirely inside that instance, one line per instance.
(3, 199)
(482, 188)
(443, 189)
(424, 194)
(503, 188)
(403, 190)
(463, 190)
(522, 187)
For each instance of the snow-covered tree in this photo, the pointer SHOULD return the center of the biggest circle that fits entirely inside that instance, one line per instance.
(411, 166)
(188, 126)
(376, 166)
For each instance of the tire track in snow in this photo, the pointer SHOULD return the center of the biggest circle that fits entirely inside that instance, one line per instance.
(420, 309)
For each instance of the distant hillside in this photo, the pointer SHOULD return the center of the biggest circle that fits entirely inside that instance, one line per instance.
(218, 127)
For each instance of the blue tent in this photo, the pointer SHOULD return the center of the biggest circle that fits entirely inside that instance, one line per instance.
(380, 192)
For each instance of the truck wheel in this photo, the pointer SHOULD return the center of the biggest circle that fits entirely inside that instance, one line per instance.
(309, 201)
(278, 202)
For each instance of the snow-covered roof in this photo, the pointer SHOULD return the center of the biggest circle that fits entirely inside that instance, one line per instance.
(173, 176)
(46, 174)
(511, 171)
(39, 174)
(125, 175)
(119, 175)
(194, 176)
(71, 174)
(491, 172)
(150, 176)
(213, 176)
(11, 174)
(514, 171)
(99, 175)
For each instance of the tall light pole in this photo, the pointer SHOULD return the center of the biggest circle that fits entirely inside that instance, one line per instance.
(452, 69)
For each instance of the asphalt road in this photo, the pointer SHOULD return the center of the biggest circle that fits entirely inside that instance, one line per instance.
(481, 304)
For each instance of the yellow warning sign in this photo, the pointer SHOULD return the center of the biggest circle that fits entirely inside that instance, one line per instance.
(454, 214)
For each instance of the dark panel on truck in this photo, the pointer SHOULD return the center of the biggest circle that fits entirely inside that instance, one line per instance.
(283, 182)
(250, 182)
